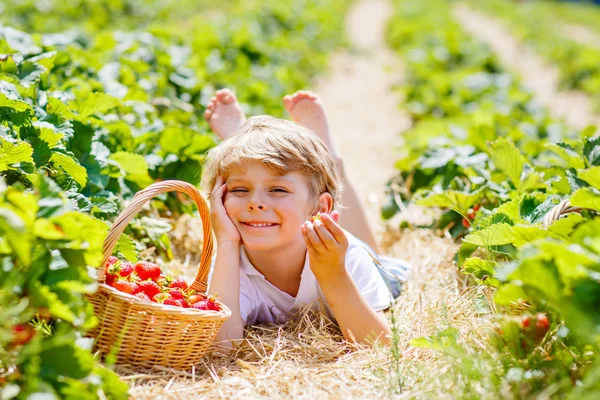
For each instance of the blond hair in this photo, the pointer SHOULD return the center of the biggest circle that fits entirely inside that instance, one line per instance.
(280, 145)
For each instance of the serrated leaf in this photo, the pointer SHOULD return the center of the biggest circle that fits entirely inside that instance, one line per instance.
(57, 107)
(71, 167)
(12, 154)
(591, 176)
(482, 270)
(95, 103)
(508, 159)
(453, 199)
(49, 133)
(523, 234)
(586, 198)
(130, 163)
(567, 153)
(565, 226)
(493, 235)
(591, 150)
(126, 246)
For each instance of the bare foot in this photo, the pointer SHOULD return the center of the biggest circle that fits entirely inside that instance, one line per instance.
(306, 108)
(224, 114)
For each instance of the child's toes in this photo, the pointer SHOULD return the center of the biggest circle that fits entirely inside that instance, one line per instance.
(288, 102)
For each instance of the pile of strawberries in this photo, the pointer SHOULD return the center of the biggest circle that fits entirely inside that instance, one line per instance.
(145, 281)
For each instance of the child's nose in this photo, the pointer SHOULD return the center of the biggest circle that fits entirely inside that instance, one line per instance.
(256, 203)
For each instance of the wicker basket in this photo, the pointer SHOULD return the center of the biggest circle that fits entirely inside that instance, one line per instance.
(146, 334)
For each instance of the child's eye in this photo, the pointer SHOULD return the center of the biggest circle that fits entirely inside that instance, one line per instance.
(280, 190)
(238, 190)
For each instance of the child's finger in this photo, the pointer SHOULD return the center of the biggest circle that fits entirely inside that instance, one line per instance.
(324, 234)
(314, 237)
(335, 229)
(335, 215)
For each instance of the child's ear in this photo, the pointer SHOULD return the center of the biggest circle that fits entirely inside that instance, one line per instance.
(325, 203)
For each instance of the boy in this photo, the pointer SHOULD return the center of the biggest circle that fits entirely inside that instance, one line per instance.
(267, 181)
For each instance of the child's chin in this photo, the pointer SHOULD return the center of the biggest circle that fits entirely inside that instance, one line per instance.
(257, 245)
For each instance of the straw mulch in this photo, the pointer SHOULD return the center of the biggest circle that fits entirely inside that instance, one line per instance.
(308, 358)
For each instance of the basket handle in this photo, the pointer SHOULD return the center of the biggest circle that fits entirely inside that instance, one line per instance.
(139, 200)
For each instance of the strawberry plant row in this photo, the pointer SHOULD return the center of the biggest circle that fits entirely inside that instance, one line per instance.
(89, 115)
(495, 164)
(578, 63)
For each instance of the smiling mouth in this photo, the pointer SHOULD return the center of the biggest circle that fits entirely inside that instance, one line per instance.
(259, 225)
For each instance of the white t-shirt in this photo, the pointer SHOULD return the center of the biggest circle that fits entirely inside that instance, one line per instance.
(263, 303)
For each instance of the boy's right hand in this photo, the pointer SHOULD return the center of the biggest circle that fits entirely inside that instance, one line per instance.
(225, 230)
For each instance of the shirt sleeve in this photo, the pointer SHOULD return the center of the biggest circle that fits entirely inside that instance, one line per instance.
(363, 271)
(247, 300)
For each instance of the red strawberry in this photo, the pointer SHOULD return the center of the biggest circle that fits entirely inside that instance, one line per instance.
(110, 279)
(143, 296)
(150, 288)
(112, 260)
(466, 223)
(126, 269)
(126, 286)
(179, 283)
(22, 334)
(207, 304)
(184, 303)
(525, 322)
(195, 298)
(172, 302)
(147, 270)
(176, 293)
(542, 325)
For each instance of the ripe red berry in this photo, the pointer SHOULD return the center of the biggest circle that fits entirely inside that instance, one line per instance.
(176, 293)
(126, 286)
(143, 296)
(466, 223)
(184, 303)
(110, 279)
(112, 260)
(172, 302)
(126, 269)
(22, 334)
(525, 322)
(179, 283)
(147, 270)
(207, 304)
(542, 325)
(150, 288)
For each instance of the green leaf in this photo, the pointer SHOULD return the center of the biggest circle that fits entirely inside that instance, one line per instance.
(493, 235)
(71, 167)
(482, 270)
(130, 163)
(591, 176)
(126, 246)
(509, 293)
(508, 159)
(95, 103)
(568, 153)
(564, 227)
(12, 154)
(65, 360)
(453, 199)
(591, 150)
(586, 198)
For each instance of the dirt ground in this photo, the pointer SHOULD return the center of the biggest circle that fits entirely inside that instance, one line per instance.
(363, 112)
(536, 74)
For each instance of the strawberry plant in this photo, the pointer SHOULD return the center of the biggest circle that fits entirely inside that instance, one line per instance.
(495, 163)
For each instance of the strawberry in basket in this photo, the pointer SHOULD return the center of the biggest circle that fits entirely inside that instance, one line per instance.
(145, 281)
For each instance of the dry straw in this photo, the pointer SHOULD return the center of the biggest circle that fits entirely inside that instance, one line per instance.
(145, 334)
(307, 358)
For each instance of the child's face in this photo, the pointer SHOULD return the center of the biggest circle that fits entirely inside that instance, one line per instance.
(256, 195)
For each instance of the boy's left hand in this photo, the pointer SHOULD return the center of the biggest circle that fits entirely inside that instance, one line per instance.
(327, 245)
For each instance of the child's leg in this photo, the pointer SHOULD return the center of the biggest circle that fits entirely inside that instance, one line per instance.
(306, 108)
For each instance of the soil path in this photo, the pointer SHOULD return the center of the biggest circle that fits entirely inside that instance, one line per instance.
(362, 110)
(537, 75)
(582, 35)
